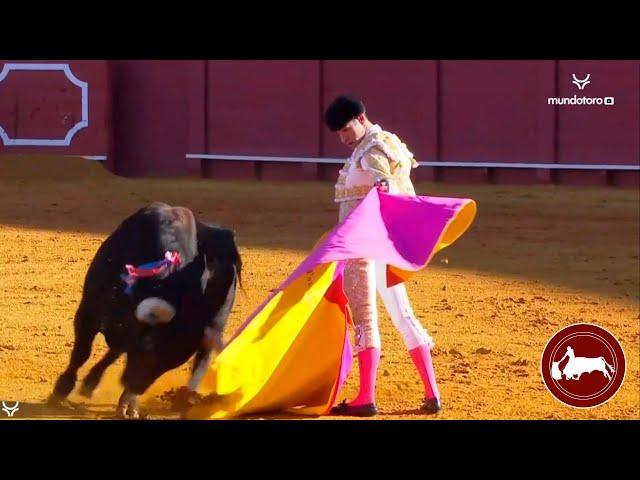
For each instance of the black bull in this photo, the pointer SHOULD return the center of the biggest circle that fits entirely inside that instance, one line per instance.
(163, 321)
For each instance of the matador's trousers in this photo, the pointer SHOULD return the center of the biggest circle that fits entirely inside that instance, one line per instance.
(362, 278)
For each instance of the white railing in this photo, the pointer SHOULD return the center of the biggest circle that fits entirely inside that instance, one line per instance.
(551, 166)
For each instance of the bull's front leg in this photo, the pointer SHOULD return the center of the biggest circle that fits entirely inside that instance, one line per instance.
(212, 337)
(128, 406)
(211, 345)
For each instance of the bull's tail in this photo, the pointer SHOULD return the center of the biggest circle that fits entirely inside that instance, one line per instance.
(237, 280)
(613, 370)
(238, 271)
(238, 266)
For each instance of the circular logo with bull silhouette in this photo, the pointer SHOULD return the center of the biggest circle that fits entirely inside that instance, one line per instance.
(583, 365)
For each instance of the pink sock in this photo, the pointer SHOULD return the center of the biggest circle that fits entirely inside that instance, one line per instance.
(421, 357)
(368, 361)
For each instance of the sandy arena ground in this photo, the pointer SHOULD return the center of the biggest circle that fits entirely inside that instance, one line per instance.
(535, 260)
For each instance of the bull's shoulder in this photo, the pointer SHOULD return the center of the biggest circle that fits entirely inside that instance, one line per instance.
(213, 236)
(219, 246)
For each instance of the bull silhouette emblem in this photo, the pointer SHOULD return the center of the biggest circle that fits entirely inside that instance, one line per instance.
(576, 366)
(581, 83)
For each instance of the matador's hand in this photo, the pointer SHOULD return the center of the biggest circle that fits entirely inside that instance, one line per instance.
(382, 184)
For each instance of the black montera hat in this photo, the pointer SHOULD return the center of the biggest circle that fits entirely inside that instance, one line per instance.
(342, 110)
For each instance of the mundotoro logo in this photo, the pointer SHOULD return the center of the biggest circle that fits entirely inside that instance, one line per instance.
(583, 365)
(576, 100)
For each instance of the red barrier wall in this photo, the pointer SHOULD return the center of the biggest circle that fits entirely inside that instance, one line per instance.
(151, 116)
(496, 111)
(598, 134)
(44, 105)
(145, 116)
(263, 108)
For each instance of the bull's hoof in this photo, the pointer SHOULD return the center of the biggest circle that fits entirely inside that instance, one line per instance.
(128, 407)
(185, 399)
(133, 413)
(128, 412)
(56, 400)
(87, 390)
(194, 398)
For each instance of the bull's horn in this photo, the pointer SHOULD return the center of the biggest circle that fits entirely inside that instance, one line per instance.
(155, 311)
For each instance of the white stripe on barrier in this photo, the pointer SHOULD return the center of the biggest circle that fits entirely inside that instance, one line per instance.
(250, 158)
(550, 166)
(98, 158)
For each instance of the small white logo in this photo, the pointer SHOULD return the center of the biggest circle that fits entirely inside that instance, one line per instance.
(10, 410)
(581, 83)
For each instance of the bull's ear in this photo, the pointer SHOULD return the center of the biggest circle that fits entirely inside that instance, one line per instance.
(155, 311)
